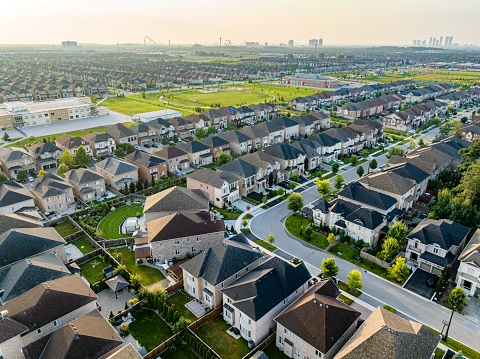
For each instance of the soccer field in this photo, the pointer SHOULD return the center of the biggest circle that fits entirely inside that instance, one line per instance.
(220, 98)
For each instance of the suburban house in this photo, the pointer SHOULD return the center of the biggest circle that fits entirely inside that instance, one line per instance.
(317, 324)
(305, 125)
(117, 172)
(46, 154)
(368, 198)
(178, 234)
(14, 197)
(407, 170)
(222, 187)
(238, 142)
(326, 146)
(394, 185)
(251, 176)
(358, 222)
(72, 144)
(53, 193)
(102, 144)
(28, 273)
(232, 114)
(28, 320)
(148, 165)
(312, 157)
(291, 128)
(269, 166)
(218, 119)
(87, 184)
(216, 145)
(198, 153)
(434, 244)
(122, 134)
(210, 271)
(174, 200)
(23, 243)
(183, 128)
(468, 275)
(471, 132)
(291, 159)
(386, 335)
(15, 159)
(321, 120)
(177, 159)
(401, 121)
(162, 128)
(146, 134)
(251, 302)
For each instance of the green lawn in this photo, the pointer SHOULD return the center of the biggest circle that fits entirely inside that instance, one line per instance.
(344, 286)
(92, 269)
(83, 245)
(293, 224)
(439, 353)
(273, 352)
(390, 309)
(149, 275)
(349, 254)
(266, 245)
(214, 333)
(181, 352)
(219, 98)
(65, 228)
(149, 329)
(345, 299)
(179, 299)
(109, 226)
(227, 215)
(287, 92)
(456, 346)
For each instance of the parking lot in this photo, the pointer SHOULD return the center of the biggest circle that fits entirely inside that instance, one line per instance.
(418, 284)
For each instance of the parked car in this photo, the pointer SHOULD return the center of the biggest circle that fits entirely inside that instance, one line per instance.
(147, 145)
(30, 179)
(432, 281)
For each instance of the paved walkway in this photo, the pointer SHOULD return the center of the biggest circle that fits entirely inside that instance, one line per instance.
(109, 303)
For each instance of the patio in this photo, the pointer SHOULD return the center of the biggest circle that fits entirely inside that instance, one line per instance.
(73, 253)
(196, 308)
(242, 205)
(109, 303)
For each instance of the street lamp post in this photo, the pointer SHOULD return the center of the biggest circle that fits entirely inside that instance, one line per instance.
(450, 321)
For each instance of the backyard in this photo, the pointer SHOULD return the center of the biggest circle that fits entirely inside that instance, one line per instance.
(109, 227)
(92, 269)
(65, 228)
(293, 224)
(273, 352)
(83, 245)
(179, 299)
(148, 275)
(181, 352)
(214, 333)
(149, 329)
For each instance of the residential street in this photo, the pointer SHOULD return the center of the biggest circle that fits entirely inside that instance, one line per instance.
(375, 289)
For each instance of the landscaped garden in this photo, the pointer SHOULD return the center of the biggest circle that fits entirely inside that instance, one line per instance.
(149, 329)
(109, 227)
(83, 245)
(294, 222)
(179, 299)
(228, 214)
(65, 228)
(92, 269)
(214, 333)
(148, 275)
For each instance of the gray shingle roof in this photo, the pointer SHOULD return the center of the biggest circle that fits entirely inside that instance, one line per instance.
(284, 151)
(12, 192)
(443, 232)
(222, 261)
(119, 130)
(177, 199)
(50, 185)
(240, 168)
(144, 159)
(193, 147)
(82, 176)
(212, 177)
(359, 193)
(260, 290)
(116, 166)
(471, 253)
(389, 181)
(13, 154)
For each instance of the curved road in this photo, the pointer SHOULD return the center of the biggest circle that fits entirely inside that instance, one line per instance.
(376, 290)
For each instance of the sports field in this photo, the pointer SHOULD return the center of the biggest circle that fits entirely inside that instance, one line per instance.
(220, 98)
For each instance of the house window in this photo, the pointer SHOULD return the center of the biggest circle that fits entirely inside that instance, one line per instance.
(289, 333)
(285, 301)
(177, 242)
(228, 314)
(56, 323)
(318, 354)
(471, 271)
(435, 250)
(296, 351)
(281, 340)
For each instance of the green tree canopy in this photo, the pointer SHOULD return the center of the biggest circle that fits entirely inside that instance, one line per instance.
(270, 238)
(399, 231)
(457, 298)
(354, 160)
(360, 171)
(354, 280)
(200, 133)
(335, 167)
(62, 169)
(324, 187)
(399, 270)
(211, 129)
(223, 157)
(390, 247)
(295, 202)
(338, 182)
(67, 159)
(329, 268)
(41, 173)
(373, 164)
(81, 157)
(21, 176)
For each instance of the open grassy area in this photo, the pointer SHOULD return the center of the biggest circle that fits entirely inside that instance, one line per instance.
(273, 352)
(390, 309)
(179, 299)
(228, 215)
(457, 346)
(138, 104)
(149, 329)
(83, 245)
(214, 333)
(293, 224)
(109, 226)
(279, 91)
(65, 228)
(439, 353)
(180, 352)
(344, 286)
(218, 99)
(148, 275)
(266, 245)
(92, 269)
(345, 299)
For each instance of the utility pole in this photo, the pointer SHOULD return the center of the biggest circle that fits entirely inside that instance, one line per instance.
(448, 326)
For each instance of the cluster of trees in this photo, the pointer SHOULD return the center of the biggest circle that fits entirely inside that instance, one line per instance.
(67, 161)
(329, 269)
(395, 238)
(198, 346)
(124, 149)
(201, 133)
(138, 186)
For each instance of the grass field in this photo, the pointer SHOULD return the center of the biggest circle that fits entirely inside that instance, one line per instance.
(266, 245)
(65, 228)
(149, 329)
(92, 269)
(179, 299)
(293, 224)
(218, 99)
(148, 275)
(180, 352)
(83, 245)
(109, 226)
(457, 346)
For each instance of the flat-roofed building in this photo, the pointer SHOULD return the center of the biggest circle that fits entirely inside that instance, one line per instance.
(312, 80)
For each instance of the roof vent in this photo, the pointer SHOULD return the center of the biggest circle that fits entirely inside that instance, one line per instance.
(315, 301)
(321, 305)
(326, 306)
(3, 314)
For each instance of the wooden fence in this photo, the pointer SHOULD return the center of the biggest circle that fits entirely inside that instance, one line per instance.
(174, 287)
(214, 313)
(376, 260)
(162, 347)
(133, 308)
(262, 345)
(74, 236)
(116, 242)
(214, 353)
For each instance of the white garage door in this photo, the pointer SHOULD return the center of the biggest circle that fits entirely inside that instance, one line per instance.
(426, 267)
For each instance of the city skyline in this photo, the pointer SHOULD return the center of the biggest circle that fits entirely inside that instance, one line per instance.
(49, 22)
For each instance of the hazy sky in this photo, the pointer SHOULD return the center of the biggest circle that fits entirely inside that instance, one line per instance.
(204, 21)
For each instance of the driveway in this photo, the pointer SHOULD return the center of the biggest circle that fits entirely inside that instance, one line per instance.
(255, 196)
(418, 284)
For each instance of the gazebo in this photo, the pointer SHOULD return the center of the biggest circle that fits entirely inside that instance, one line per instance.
(116, 284)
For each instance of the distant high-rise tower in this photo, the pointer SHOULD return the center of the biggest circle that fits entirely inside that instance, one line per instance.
(424, 43)
(320, 42)
(414, 42)
(290, 43)
(313, 42)
(450, 41)
(440, 43)
(430, 43)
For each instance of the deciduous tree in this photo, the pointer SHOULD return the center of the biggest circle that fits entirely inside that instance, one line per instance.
(399, 270)
(338, 182)
(223, 157)
(324, 187)
(67, 159)
(354, 280)
(329, 268)
(295, 202)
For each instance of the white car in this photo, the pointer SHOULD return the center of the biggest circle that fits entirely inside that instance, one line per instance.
(30, 179)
